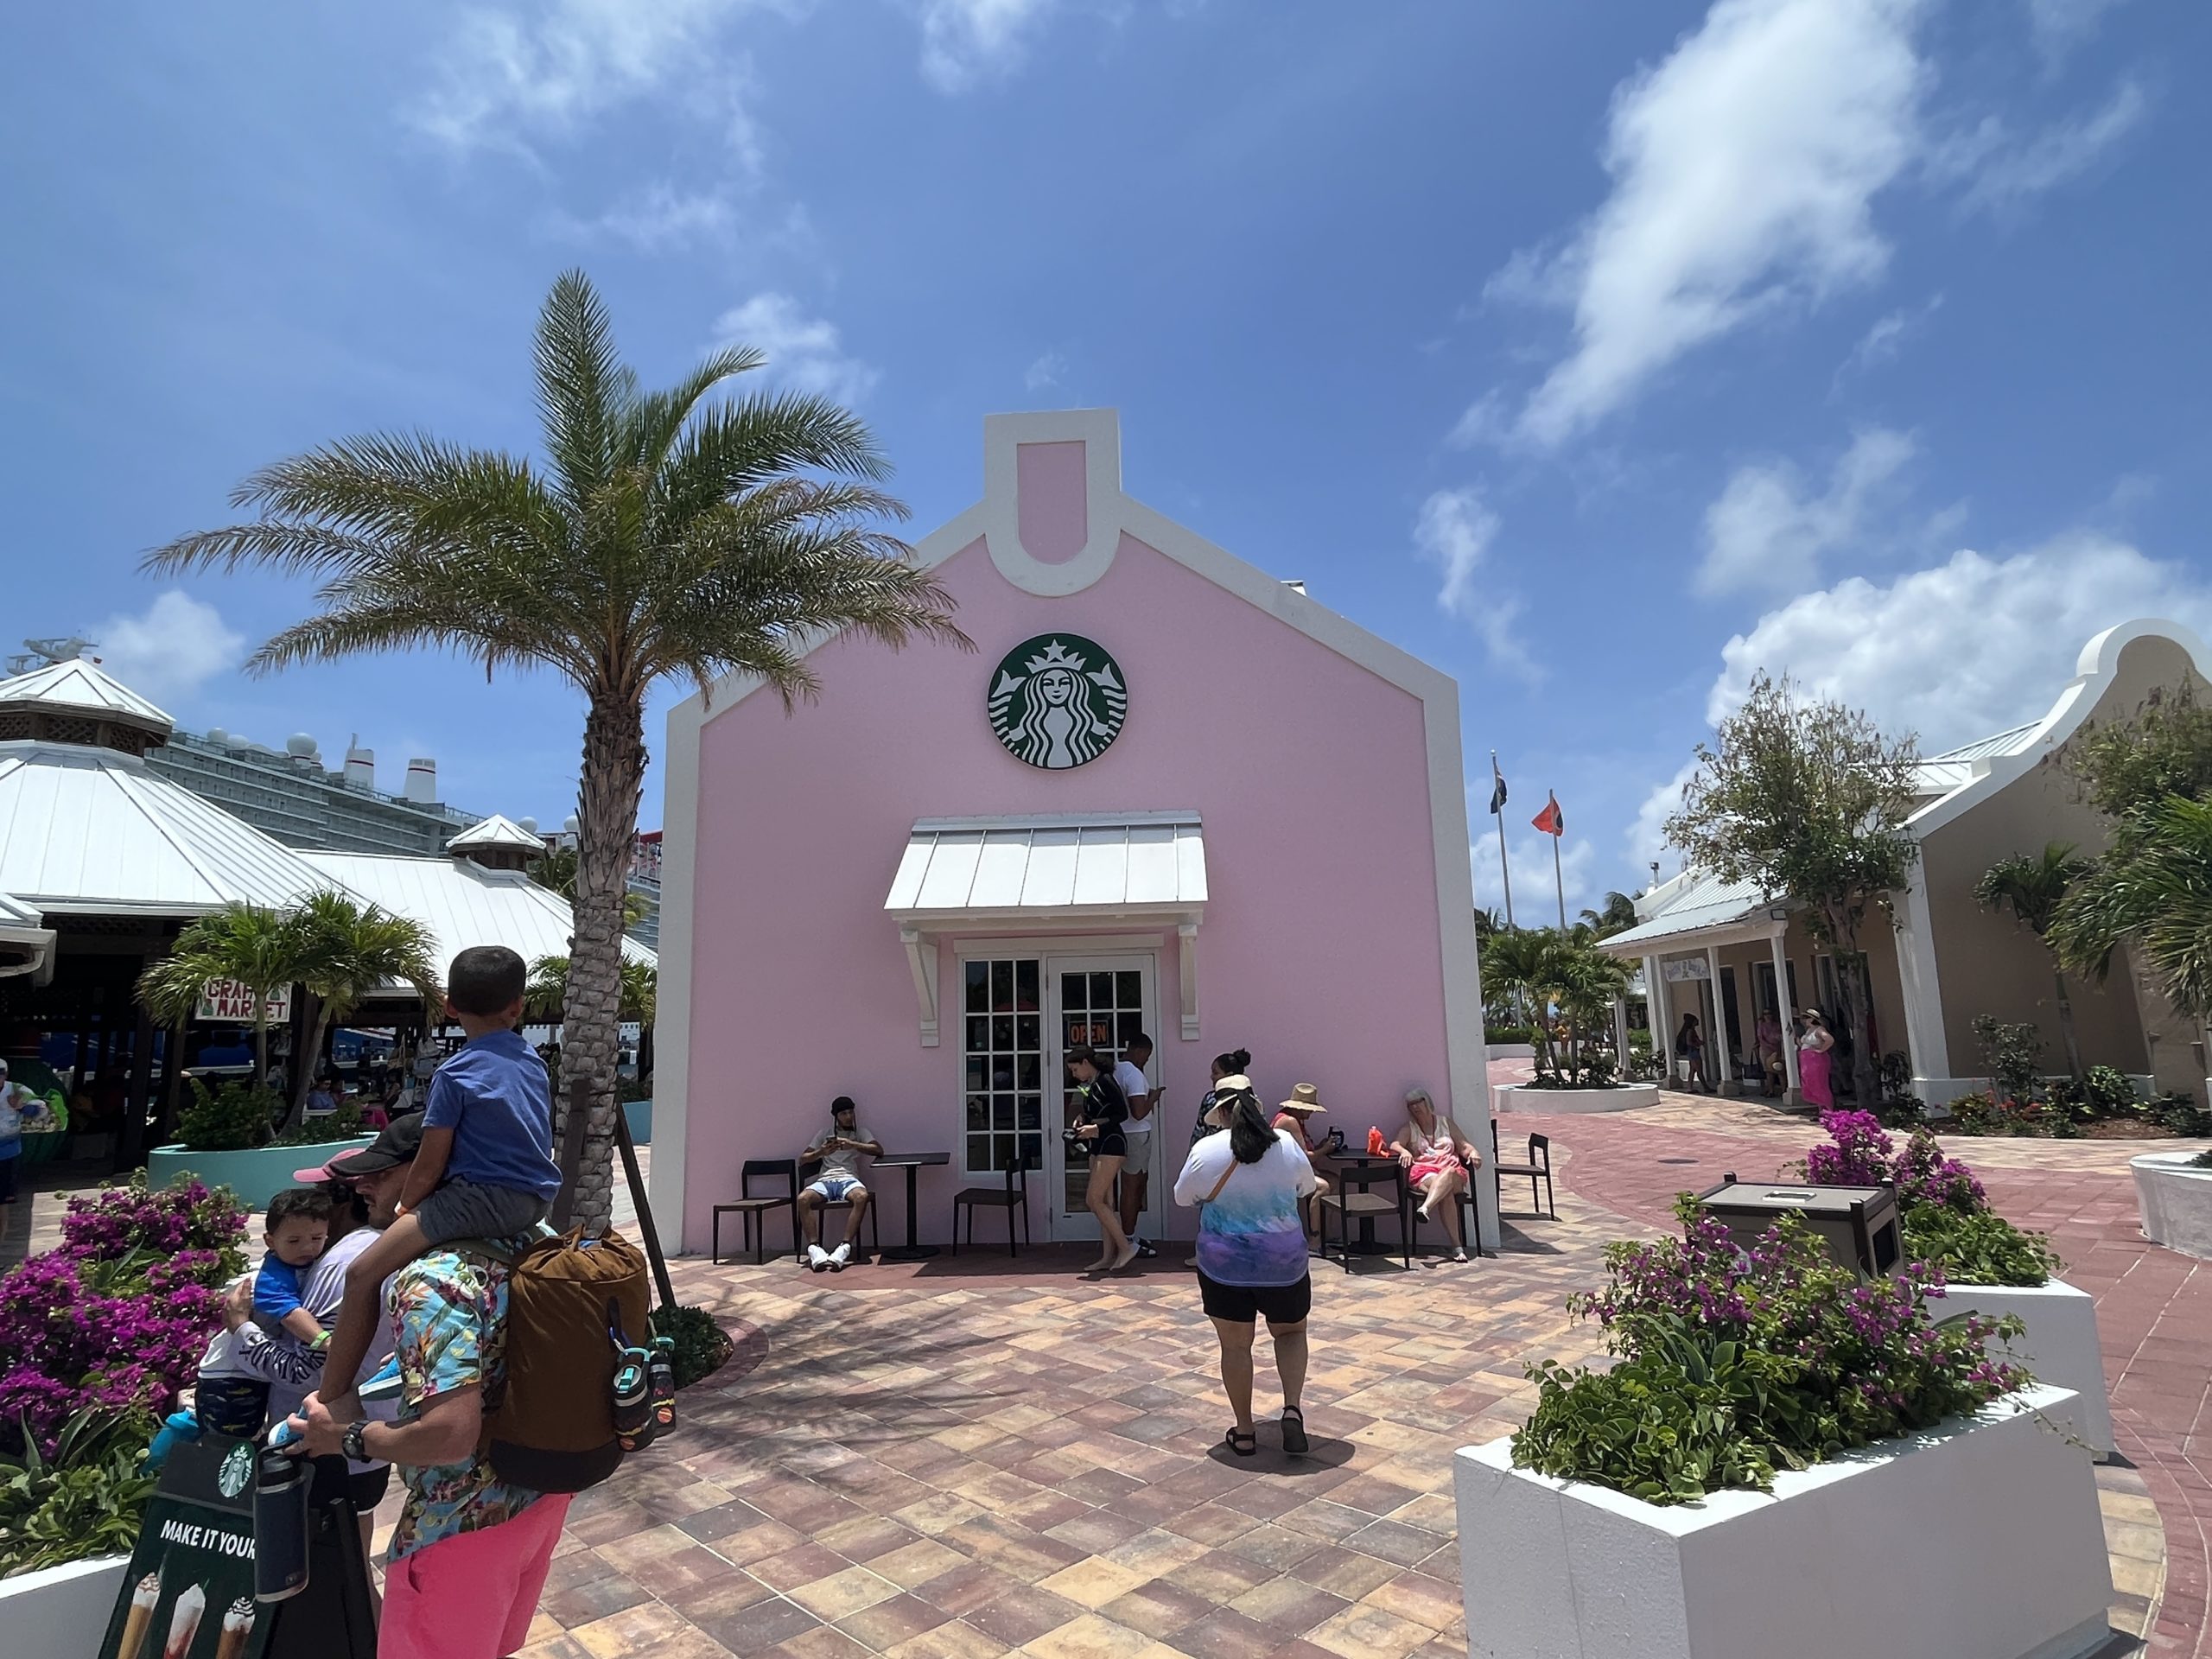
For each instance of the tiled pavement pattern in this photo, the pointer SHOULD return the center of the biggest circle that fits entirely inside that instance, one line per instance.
(957, 1459)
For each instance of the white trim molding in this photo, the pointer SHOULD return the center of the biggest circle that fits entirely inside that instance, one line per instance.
(1099, 431)
(1186, 934)
(921, 959)
(672, 1026)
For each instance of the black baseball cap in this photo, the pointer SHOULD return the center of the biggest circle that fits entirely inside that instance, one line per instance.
(397, 1144)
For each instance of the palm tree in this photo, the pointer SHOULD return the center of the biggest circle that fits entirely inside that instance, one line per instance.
(557, 871)
(2032, 886)
(341, 952)
(1617, 916)
(239, 942)
(1569, 987)
(681, 534)
(543, 1001)
(2153, 888)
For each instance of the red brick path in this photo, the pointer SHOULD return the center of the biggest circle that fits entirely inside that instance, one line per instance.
(2154, 1307)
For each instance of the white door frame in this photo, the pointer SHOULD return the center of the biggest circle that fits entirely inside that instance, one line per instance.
(1060, 1222)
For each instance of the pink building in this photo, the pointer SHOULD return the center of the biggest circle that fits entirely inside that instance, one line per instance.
(1167, 791)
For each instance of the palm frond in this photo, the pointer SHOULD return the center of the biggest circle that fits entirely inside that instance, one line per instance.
(581, 386)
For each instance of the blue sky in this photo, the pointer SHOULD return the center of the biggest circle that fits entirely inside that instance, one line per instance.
(1600, 353)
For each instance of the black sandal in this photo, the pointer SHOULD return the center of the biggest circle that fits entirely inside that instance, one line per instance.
(1245, 1442)
(1293, 1431)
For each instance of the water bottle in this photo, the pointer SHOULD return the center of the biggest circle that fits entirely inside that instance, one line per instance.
(280, 1525)
(634, 1424)
(663, 1377)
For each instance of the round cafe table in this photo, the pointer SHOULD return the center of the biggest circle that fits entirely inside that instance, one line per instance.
(913, 1249)
(1364, 1169)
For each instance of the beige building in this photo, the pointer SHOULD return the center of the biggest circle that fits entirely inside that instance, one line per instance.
(1721, 950)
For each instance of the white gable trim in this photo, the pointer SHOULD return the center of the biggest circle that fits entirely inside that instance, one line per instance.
(2094, 673)
(995, 520)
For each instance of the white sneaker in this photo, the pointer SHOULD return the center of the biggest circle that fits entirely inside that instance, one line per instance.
(839, 1256)
(818, 1258)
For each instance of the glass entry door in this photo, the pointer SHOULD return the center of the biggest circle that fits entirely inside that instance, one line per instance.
(1104, 1001)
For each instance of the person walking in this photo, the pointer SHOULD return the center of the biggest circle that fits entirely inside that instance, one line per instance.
(1689, 1048)
(1249, 1185)
(1104, 1110)
(1440, 1163)
(1137, 1170)
(1813, 1042)
(1768, 1035)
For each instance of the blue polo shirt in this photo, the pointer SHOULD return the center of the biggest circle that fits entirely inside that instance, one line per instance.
(494, 1096)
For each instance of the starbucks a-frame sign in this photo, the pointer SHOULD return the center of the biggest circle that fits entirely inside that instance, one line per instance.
(1057, 702)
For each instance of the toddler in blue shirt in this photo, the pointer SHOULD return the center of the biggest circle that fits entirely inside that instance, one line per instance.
(486, 1169)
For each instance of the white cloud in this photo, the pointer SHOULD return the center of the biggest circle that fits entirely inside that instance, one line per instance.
(803, 352)
(1453, 531)
(965, 42)
(1768, 529)
(1885, 339)
(2059, 25)
(662, 217)
(1536, 895)
(507, 72)
(2000, 172)
(1967, 647)
(1647, 837)
(1046, 370)
(170, 649)
(1745, 168)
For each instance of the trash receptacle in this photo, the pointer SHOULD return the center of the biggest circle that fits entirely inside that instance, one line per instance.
(1857, 1223)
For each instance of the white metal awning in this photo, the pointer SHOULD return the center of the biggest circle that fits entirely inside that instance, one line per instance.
(1032, 875)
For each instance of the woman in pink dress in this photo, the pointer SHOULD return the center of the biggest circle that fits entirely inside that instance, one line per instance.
(1814, 1043)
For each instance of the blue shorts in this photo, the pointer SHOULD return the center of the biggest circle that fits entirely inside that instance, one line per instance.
(835, 1189)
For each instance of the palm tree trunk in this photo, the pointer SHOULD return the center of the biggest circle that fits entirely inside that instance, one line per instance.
(260, 1040)
(317, 1025)
(613, 774)
(2066, 1027)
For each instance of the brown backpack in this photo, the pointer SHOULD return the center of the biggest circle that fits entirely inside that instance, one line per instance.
(573, 1305)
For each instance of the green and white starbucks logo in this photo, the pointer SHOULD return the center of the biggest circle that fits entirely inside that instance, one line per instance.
(236, 1471)
(1058, 701)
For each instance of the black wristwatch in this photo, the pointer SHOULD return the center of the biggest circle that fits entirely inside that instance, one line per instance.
(353, 1443)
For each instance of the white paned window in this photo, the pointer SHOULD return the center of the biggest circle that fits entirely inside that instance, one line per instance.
(1003, 1057)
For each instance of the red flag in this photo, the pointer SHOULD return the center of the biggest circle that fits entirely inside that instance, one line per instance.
(1550, 820)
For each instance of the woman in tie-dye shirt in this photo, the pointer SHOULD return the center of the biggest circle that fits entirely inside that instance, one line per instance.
(1247, 1181)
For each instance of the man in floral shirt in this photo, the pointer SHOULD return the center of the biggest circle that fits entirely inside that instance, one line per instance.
(471, 1552)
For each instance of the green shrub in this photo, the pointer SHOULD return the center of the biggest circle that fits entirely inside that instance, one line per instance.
(1736, 1364)
(702, 1346)
(229, 1118)
(319, 1131)
(1506, 1034)
(2203, 1160)
(2111, 1091)
(2013, 1054)
(82, 1500)
(2179, 1114)
(1977, 1247)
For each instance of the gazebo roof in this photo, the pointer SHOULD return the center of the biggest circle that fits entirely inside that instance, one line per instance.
(84, 688)
(93, 832)
(498, 831)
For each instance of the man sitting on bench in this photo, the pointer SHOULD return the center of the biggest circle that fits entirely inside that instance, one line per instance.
(839, 1152)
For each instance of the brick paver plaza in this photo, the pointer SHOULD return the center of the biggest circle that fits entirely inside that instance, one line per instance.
(967, 1457)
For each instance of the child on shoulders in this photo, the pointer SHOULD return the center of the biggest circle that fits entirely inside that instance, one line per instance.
(228, 1399)
(486, 1169)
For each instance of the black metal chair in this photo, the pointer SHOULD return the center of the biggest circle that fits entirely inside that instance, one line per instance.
(1015, 1200)
(807, 1172)
(1537, 1168)
(1347, 1204)
(1470, 1220)
(755, 1211)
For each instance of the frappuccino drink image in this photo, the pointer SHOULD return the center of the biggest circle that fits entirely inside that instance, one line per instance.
(139, 1615)
(238, 1628)
(184, 1622)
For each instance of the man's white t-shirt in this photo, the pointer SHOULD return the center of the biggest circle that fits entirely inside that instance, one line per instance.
(1132, 1081)
(845, 1160)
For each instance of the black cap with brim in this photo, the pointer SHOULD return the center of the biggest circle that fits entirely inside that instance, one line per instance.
(397, 1144)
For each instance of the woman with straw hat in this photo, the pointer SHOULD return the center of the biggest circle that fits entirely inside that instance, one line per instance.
(1294, 1118)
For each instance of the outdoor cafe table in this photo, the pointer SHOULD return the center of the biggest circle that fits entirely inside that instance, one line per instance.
(1363, 1170)
(911, 1250)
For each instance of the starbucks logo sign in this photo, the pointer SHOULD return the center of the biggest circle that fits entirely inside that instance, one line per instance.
(1058, 701)
(236, 1471)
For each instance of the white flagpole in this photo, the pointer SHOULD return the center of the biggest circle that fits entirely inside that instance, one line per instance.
(1497, 811)
(1559, 880)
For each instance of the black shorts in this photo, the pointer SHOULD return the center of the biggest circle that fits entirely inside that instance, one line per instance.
(1110, 1143)
(1243, 1304)
(368, 1487)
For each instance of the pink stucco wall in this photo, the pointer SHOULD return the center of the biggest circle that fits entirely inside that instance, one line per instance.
(1319, 950)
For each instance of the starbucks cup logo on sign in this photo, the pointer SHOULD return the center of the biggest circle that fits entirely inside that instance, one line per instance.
(1057, 702)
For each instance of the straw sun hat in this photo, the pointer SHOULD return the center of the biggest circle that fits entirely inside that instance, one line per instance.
(1304, 1097)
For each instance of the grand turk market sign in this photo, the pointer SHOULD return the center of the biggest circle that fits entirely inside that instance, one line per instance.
(227, 1003)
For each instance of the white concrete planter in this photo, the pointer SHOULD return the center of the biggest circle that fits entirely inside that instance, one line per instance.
(2059, 1347)
(1621, 1097)
(2176, 1201)
(1512, 1051)
(1980, 1539)
(60, 1610)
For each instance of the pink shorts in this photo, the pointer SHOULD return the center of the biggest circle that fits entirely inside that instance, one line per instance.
(471, 1595)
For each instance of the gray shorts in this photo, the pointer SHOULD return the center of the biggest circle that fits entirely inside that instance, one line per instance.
(464, 1209)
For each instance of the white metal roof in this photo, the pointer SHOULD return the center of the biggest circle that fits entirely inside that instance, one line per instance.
(83, 687)
(498, 831)
(93, 832)
(26, 943)
(1702, 901)
(463, 904)
(1128, 863)
(2014, 741)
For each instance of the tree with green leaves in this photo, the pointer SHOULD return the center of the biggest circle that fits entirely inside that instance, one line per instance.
(1569, 988)
(2164, 749)
(545, 998)
(684, 534)
(1618, 915)
(246, 942)
(342, 953)
(2153, 889)
(1807, 798)
(2032, 886)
